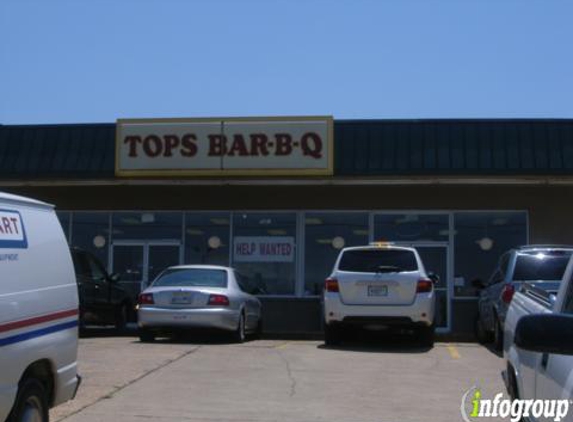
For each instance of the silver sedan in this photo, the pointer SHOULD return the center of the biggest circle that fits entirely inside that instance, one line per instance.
(199, 296)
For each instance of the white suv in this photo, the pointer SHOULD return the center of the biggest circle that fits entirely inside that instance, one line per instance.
(381, 286)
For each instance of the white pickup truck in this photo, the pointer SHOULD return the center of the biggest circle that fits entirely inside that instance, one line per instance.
(538, 344)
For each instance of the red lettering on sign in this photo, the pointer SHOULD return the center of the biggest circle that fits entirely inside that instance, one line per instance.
(132, 141)
(284, 144)
(152, 146)
(217, 145)
(311, 145)
(259, 144)
(189, 148)
(171, 141)
(239, 146)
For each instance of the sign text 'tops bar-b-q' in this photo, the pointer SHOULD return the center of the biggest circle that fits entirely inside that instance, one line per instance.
(271, 146)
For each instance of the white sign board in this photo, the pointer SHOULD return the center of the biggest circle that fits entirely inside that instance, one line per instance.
(220, 147)
(263, 249)
(12, 232)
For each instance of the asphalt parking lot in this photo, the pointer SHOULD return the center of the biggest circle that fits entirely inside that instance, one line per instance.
(276, 380)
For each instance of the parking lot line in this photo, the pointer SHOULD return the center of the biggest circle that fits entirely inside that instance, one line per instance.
(453, 351)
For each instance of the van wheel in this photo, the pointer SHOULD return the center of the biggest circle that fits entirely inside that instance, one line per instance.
(332, 334)
(146, 336)
(426, 336)
(121, 318)
(239, 334)
(31, 403)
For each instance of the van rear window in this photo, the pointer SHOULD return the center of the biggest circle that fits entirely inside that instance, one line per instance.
(378, 260)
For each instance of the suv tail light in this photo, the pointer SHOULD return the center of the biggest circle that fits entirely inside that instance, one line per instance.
(331, 285)
(218, 300)
(425, 285)
(145, 299)
(507, 293)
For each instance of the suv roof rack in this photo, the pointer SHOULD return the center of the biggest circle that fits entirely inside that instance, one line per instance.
(382, 244)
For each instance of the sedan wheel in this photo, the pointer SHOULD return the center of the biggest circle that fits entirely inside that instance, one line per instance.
(239, 334)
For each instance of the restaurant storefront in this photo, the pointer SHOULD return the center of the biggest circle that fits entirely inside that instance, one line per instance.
(141, 197)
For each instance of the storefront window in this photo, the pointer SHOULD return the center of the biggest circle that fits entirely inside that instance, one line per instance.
(325, 235)
(480, 239)
(147, 225)
(90, 231)
(207, 238)
(64, 218)
(264, 251)
(411, 227)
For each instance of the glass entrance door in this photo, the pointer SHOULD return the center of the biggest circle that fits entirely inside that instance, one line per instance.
(139, 262)
(435, 259)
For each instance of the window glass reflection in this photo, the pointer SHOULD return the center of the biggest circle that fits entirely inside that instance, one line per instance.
(325, 235)
(207, 238)
(411, 227)
(480, 240)
(90, 231)
(64, 218)
(147, 225)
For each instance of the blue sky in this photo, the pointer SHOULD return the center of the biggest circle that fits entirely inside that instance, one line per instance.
(96, 61)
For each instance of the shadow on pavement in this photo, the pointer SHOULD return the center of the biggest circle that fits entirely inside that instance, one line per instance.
(380, 342)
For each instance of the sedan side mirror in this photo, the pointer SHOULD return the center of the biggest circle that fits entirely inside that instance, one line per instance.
(434, 277)
(548, 333)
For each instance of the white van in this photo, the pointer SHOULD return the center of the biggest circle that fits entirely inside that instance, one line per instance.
(38, 311)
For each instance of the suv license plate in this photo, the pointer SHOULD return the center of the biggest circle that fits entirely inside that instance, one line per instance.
(377, 290)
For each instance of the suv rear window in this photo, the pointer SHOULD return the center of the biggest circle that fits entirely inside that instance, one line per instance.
(376, 260)
(538, 265)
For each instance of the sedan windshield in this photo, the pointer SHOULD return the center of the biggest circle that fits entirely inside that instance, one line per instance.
(192, 278)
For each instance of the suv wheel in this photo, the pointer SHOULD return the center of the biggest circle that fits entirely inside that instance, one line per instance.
(426, 335)
(332, 334)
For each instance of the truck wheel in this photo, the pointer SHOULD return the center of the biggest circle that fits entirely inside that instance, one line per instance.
(426, 336)
(146, 336)
(31, 403)
(121, 318)
(497, 336)
(512, 384)
(332, 334)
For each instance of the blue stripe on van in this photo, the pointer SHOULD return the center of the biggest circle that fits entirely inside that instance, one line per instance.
(37, 333)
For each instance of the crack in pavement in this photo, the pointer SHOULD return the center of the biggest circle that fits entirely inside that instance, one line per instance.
(289, 373)
(127, 384)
